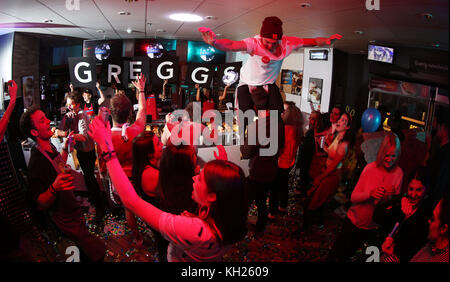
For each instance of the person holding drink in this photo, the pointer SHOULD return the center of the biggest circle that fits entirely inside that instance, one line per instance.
(378, 182)
(51, 185)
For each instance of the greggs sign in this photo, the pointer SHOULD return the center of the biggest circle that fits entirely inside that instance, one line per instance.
(83, 71)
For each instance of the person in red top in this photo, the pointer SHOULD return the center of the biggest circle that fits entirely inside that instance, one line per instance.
(123, 136)
(379, 181)
(292, 119)
(89, 105)
(206, 98)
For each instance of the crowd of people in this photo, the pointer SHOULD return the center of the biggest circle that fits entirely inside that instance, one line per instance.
(196, 210)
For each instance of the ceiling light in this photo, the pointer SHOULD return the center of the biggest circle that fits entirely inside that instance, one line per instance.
(160, 30)
(100, 31)
(124, 13)
(129, 30)
(305, 5)
(211, 18)
(218, 34)
(185, 17)
(359, 32)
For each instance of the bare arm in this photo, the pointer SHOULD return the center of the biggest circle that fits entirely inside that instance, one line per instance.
(309, 42)
(164, 89)
(102, 95)
(140, 86)
(12, 90)
(224, 94)
(63, 182)
(147, 212)
(197, 96)
(225, 45)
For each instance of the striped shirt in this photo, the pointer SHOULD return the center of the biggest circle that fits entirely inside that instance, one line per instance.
(429, 254)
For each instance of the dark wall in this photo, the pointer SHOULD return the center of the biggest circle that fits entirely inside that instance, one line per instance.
(403, 66)
(26, 61)
(350, 82)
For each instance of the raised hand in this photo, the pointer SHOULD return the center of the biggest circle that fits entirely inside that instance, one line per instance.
(407, 207)
(12, 90)
(321, 41)
(101, 134)
(139, 83)
(207, 34)
(222, 153)
(388, 246)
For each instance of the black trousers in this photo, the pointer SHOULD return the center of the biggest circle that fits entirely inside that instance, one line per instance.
(279, 191)
(259, 99)
(87, 163)
(350, 240)
(258, 192)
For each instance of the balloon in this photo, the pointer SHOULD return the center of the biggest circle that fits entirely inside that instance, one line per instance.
(370, 120)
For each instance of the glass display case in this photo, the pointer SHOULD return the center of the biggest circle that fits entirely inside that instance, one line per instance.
(413, 102)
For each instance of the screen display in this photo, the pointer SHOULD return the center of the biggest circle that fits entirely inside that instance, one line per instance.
(155, 48)
(318, 55)
(200, 52)
(102, 49)
(60, 54)
(381, 54)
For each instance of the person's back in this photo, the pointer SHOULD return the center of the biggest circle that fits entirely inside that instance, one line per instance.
(263, 167)
(123, 143)
(198, 243)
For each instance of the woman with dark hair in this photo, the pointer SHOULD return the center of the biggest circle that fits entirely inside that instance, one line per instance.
(293, 134)
(219, 191)
(175, 190)
(378, 182)
(436, 250)
(410, 212)
(205, 98)
(147, 150)
(327, 182)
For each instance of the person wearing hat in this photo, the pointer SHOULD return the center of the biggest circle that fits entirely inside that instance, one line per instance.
(267, 52)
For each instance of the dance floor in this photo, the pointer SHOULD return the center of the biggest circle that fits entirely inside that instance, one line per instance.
(277, 244)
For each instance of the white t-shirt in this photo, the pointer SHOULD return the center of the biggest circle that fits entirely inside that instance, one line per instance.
(191, 240)
(255, 72)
